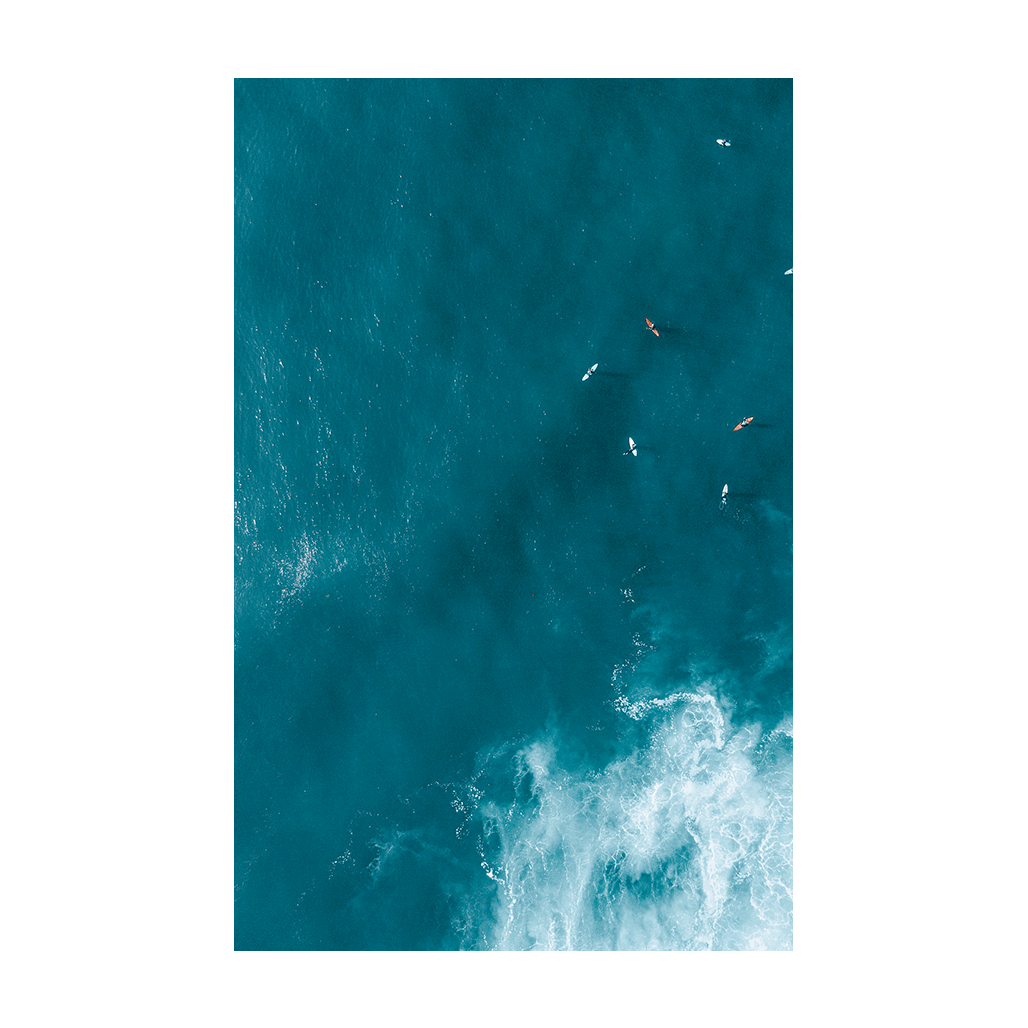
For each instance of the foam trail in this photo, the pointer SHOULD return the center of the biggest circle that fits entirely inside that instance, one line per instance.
(683, 844)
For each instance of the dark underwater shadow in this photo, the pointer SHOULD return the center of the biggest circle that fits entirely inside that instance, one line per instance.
(674, 338)
(651, 451)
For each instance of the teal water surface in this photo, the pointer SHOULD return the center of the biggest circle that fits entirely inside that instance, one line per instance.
(499, 684)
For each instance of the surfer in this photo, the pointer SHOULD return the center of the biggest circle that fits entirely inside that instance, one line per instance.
(789, 272)
(724, 142)
(589, 372)
(724, 496)
(745, 421)
(633, 448)
(649, 325)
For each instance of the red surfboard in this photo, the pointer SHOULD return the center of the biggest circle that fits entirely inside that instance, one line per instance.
(745, 421)
(649, 325)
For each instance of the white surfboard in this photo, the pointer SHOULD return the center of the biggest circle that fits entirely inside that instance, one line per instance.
(633, 448)
(724, 492)
(789, 272)
(724, 142)
(589, 372)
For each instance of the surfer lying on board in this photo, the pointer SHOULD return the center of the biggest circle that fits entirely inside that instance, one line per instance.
(649, 325)
(589, 372)
(724, 496)
(745, 421)
(633, 448)
(725, 142)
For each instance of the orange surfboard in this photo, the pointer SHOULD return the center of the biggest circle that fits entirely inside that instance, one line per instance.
(745, 421)
(649, 325)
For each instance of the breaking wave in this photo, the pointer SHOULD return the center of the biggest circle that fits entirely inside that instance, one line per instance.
(684, 843)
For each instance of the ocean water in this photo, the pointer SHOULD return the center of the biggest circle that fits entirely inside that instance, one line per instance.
(498, 684)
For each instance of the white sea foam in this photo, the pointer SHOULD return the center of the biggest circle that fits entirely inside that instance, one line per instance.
(685, 843)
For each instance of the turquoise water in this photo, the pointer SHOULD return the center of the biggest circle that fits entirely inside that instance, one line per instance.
(499, 685)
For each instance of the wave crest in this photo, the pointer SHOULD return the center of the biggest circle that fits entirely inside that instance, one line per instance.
(685, 843)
